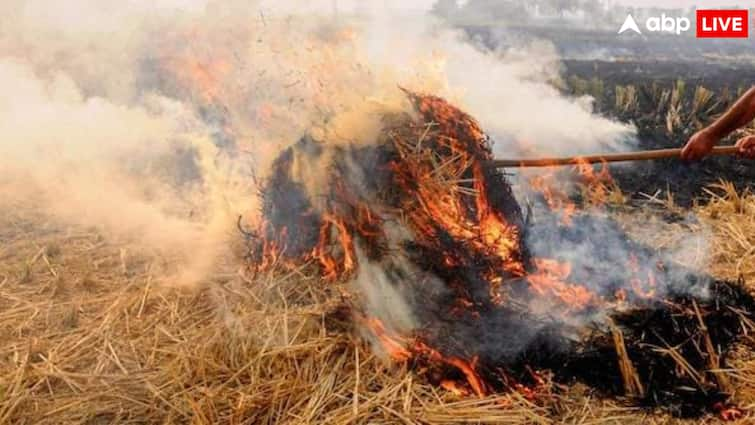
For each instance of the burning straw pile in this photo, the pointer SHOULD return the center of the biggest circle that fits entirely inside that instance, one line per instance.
(445, 280)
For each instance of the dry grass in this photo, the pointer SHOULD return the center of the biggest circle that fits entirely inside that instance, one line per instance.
(92, 333)
(733, 215)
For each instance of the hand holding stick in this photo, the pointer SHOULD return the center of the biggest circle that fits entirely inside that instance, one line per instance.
(610, 157)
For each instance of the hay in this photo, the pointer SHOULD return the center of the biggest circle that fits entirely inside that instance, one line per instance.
(91, 334)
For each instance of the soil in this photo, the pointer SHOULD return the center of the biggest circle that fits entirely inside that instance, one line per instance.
(721, 65)
(685, 181)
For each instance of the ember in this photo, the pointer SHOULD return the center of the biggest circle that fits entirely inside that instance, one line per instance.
(495, 305)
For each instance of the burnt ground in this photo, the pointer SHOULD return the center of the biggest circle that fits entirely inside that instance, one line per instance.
(508, 340)
(713, 75)
(581, 43)
(725, 66)
(685, 181)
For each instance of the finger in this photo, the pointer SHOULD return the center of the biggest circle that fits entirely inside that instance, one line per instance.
(745, 142)
(746, 152)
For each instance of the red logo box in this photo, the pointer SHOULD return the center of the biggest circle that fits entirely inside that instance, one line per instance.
(723, 23)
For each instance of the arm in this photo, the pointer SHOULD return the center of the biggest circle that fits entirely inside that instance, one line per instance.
(702, 142)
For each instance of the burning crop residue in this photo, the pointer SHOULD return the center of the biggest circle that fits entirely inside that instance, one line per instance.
(454, 280)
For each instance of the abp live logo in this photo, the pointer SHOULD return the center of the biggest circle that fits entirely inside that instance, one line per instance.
(711, 23)
(722, 24)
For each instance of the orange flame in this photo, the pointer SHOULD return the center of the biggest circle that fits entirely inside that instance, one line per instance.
(557, 200)
(467, 368)
(392, 344)
(642, 288)
(597, 186)
(550, 279)
(447, 200)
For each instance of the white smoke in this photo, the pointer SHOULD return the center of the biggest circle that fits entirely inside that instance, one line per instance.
(152, 119)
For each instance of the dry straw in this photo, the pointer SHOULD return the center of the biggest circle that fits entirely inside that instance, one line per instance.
(92, 335)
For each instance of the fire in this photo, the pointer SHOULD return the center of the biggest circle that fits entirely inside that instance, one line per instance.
(392, 344)
(467, 368)
(444, 207)
(556, 199)
(347, 244)
(498, 236)
(204, 76)
(207, 76)
(401, 350)
(728, 413)
(596, 186)
(459, 223)
(449, 205)
(454, 387)
(549, 279)
(643, 286)
(321, 254)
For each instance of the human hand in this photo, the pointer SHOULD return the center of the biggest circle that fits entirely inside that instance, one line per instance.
(699, 145)
(746, 147)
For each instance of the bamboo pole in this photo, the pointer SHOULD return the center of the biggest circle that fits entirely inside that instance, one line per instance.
(609, 157)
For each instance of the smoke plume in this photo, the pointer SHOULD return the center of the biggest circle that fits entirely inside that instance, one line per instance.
(155, 120)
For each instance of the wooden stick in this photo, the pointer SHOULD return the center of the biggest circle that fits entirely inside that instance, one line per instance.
(609, 157)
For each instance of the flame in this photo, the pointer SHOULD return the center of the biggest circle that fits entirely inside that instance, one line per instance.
(321, 254)
(454, 387)
(596, 186)
(207, 76)
(728, 412)
(643, 288)
(556, 199)
(391, 343)
(442, 207)
(331, 268)
(397, 349)
(347, 245)
(550, 279)
(203, 76)
(446, 202)
(467, 368)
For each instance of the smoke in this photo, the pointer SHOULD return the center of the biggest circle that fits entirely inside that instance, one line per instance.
(82, 136)
(386, 294)
(155, 120)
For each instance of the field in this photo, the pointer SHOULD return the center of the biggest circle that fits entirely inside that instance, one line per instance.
(93, 332)
(91, 336)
